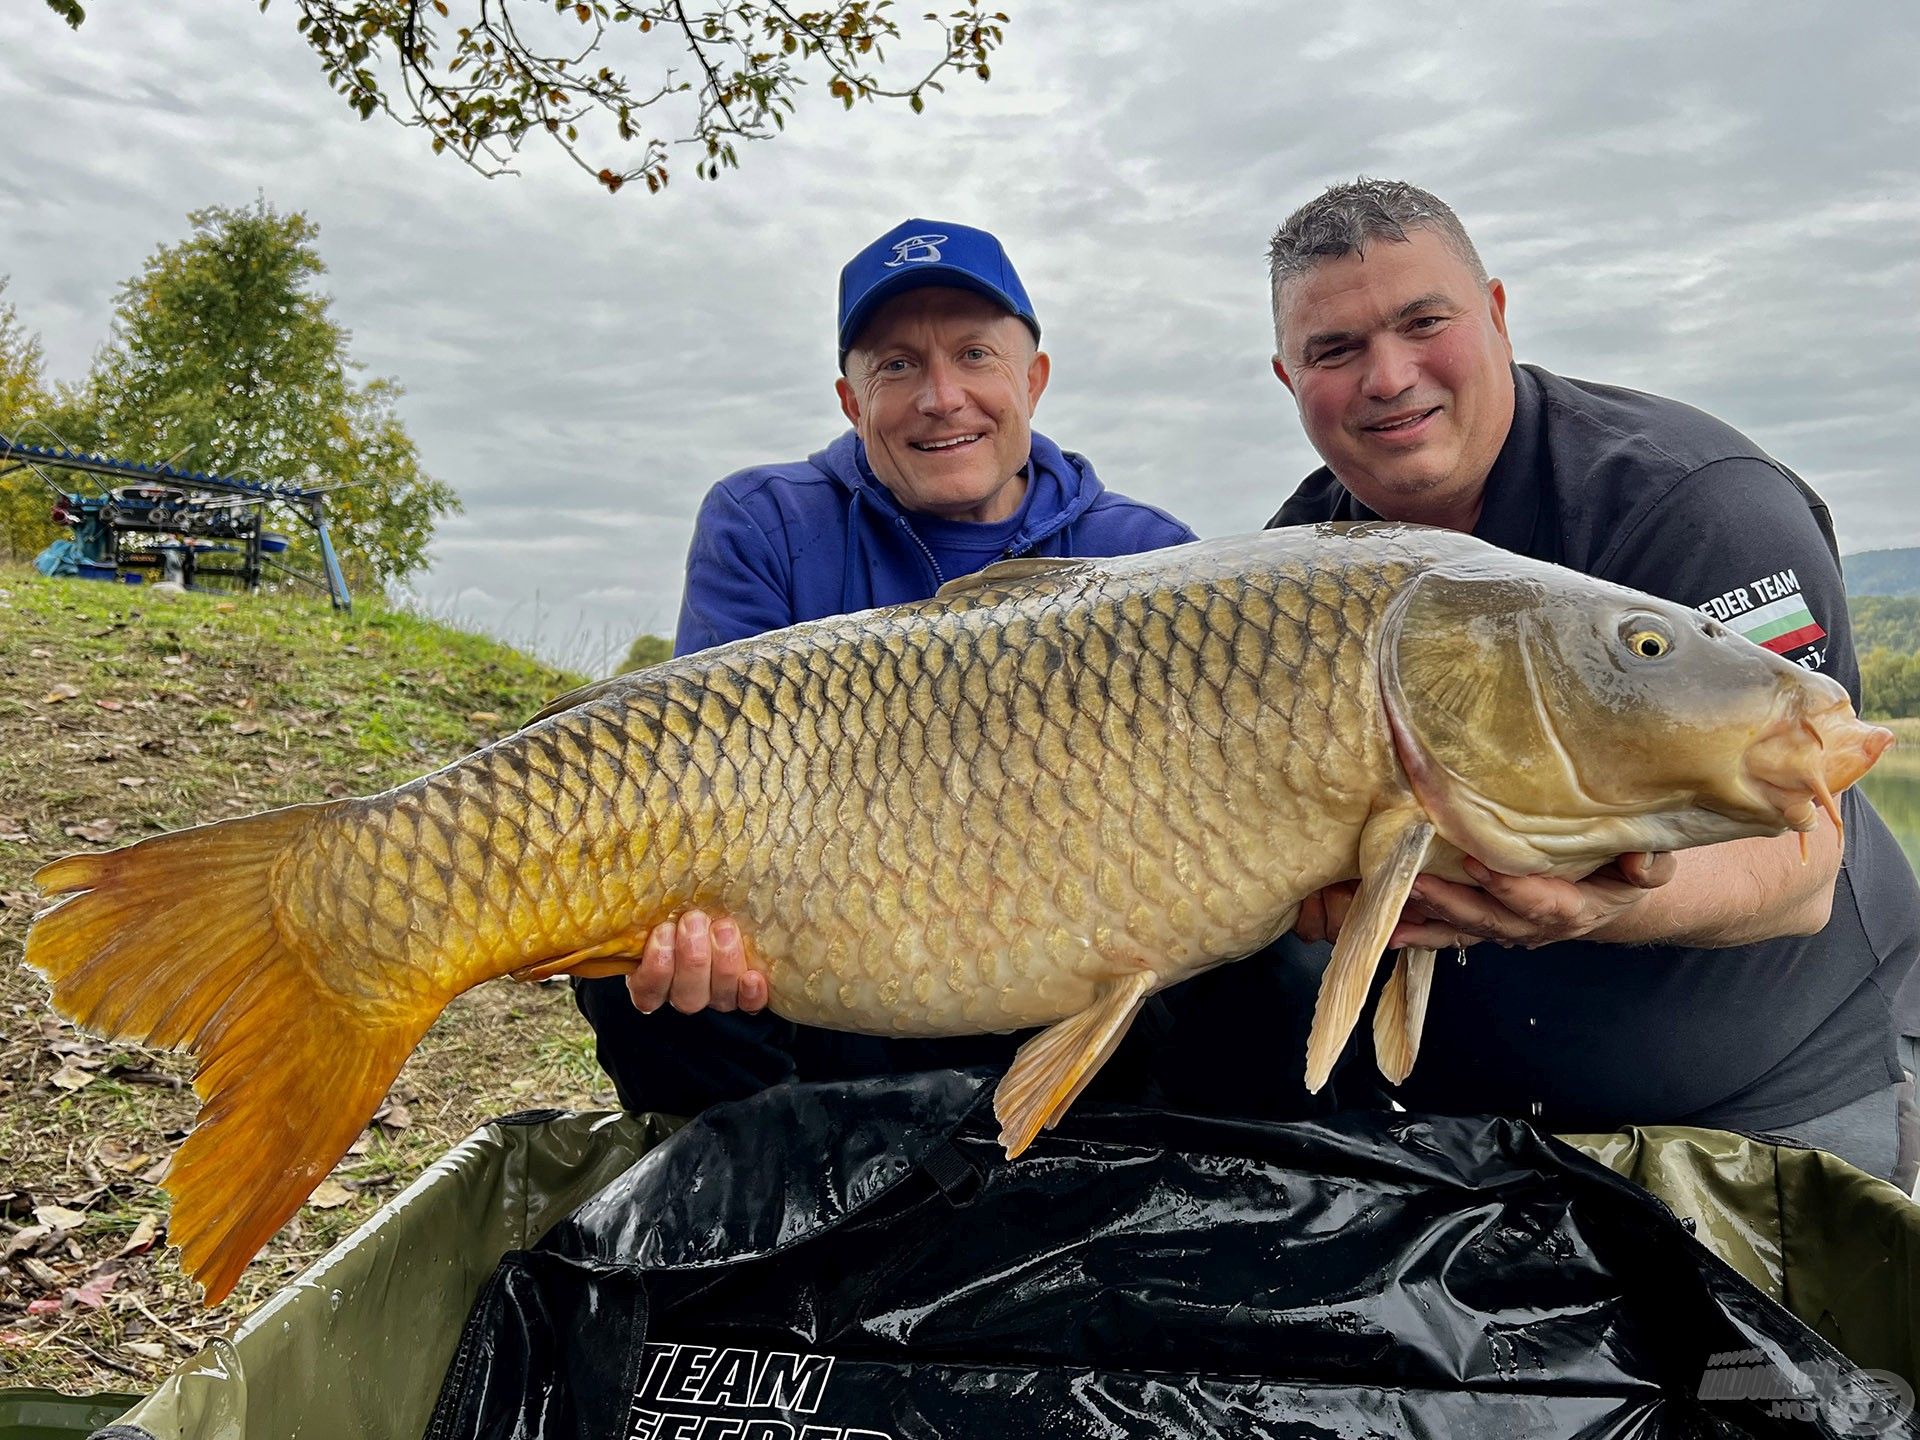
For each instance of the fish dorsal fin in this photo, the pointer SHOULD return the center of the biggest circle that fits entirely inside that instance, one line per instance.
(1003, 572)
(1393, 847)
(579, 696)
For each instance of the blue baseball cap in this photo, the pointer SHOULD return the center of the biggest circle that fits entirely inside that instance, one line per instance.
(927, 252)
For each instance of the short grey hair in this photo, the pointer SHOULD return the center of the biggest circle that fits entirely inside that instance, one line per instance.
(1342, 219)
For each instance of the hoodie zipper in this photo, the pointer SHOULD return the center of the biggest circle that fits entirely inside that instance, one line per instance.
(939, 578)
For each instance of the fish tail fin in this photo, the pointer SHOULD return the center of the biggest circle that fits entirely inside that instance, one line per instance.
(172, 942)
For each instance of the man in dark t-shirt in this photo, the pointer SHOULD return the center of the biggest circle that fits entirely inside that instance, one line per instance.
(1733, 985)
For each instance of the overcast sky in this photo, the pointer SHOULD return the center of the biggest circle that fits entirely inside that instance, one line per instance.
(1717, 201)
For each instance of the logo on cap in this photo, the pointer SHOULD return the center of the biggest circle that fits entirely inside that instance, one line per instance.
(916, 250)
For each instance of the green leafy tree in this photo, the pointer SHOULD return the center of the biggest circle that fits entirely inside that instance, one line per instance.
(481, 77)
(1885, 622)
(646, 650)
(1889, 684)
(26, 503)
(224, 354)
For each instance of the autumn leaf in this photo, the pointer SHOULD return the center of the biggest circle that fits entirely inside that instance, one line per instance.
(329, 1195)
(71, 1077)
(143, 1237)
(93, 1294)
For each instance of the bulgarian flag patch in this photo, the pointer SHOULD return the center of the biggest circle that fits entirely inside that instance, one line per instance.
(1779, 625)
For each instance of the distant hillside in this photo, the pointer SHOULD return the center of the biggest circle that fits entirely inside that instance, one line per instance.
(1883, 572)
(1885, 622)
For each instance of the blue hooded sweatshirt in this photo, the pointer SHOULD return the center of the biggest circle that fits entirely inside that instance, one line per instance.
(776, 545)
(779, 544)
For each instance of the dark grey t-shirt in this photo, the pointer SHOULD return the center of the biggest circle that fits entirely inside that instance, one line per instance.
(1654, 494)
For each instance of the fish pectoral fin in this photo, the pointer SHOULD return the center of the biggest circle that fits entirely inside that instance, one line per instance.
(1401, 1012)
(610, 957)
(1051, 1070)
(1392, 849)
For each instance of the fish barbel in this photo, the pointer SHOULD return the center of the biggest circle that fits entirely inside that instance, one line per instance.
(1034, 800)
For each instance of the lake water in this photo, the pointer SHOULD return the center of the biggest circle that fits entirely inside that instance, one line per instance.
(1894, 788)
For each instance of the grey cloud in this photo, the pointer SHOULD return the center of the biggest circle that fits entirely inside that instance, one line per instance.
(1715, 201)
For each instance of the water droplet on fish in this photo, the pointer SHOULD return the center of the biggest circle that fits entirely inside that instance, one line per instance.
(1534, 1107)
(1460, 954)
(334, 1299)
(1531, 1021)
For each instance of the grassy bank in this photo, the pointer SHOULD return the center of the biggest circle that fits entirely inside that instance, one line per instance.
(123, 714)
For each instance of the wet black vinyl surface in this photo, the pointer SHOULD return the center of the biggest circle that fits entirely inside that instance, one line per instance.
(849, 1262)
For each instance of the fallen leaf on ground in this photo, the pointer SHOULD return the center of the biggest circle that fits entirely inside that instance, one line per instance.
(145, 1349)
(59, 693)
(141, 1241)
(359, 1147)
(71, 1077)
(155, 1173)
(42, 1274)
(94, 830)
(111, 704)
(173, 659)
(329, 1195)
(336, 789)
(246, 727)
(484, 717)
(44, 1307)
(93, 1294)
(394, 1117)
(366, 769)
(12, 829)
(39, 654)
(226, 607)
(133, 782)
(58, 1217)
(24, 1241)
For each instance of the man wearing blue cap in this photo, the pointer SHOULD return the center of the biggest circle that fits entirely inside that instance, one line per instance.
(940, 476)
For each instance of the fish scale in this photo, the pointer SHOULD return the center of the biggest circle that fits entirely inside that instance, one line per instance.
(1032, 800)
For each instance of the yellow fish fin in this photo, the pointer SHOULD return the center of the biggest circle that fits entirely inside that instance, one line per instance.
(1401, 1012)
(596, 962)
(1392, 849)
(172, 942)
(1050, 1070)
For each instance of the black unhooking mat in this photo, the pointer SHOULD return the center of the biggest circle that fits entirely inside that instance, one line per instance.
(860, 1262)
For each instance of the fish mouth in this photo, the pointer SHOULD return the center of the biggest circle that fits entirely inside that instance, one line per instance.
(1804, 760)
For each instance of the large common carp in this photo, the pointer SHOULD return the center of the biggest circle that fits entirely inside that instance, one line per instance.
(1033, 800)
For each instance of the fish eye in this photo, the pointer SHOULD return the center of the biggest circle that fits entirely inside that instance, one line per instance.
(1645, 639)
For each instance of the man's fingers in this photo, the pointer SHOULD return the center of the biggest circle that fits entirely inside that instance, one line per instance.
(753, 992)
(1432, 934)
(1466, 909)
(729, 960)
(1311, 923)
(1648, 869)
(648, 983)
(692, 964)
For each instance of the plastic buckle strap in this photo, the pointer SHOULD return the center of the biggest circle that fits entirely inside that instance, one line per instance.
(953, 1173)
